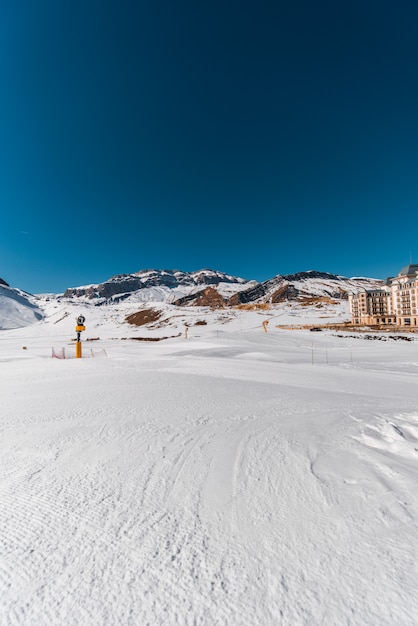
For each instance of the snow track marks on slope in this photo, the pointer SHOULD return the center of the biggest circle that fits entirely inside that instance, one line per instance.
(137, 493)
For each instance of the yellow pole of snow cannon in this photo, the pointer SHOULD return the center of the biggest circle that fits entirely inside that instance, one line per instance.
(78, 329)
(265, 325)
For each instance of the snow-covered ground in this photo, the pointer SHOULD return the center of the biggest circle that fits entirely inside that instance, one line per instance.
(235, 477)
(17, 308)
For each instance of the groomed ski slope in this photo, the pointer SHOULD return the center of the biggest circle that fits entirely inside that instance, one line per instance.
(234, 478)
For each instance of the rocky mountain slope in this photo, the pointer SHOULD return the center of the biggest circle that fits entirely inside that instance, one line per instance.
(303, 285)
(123, 285)
(204, 288)
(306, 287)
(212, 288)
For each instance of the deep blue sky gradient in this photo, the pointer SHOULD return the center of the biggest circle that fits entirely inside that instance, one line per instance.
(255, 138)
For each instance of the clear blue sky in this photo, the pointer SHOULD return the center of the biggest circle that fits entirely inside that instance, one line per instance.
(255, 138)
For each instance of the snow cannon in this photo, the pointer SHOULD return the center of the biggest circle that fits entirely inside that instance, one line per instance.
(79, 329)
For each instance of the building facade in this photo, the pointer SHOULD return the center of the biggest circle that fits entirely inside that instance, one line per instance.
(395, 304)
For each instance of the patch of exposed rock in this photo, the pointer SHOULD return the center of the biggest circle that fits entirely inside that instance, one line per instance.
(129, 283)
(311, 284)
(207, 297)
(141, 318)
(284, 293)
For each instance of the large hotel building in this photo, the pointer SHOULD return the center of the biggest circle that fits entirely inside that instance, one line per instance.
(395, 304)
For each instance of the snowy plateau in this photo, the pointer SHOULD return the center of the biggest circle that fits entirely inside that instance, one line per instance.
(206, 465)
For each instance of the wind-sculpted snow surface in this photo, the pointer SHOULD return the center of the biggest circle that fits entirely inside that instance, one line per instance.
(235, 478)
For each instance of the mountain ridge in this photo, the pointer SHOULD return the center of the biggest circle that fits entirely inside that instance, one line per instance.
(276, 289)
(143, 279)
(202, 288)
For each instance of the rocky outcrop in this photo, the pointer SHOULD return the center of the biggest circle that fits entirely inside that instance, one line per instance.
(129, 283)
(280, 288)
(207, 297)
(300, 286)
(143, 317)
(284, 293)
(248, 295)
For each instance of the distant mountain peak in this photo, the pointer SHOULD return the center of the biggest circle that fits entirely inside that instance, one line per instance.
(311, 274)
(178, 286)
(301, 285)
(126, 284)
(203, 288)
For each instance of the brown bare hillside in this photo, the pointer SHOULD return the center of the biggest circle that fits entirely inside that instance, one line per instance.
(146, 316)
(317, 301)
(207, 297)
(284, 293)
(255, 306)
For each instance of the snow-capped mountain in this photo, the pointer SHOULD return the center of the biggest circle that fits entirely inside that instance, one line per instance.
(17, 308)
(159, 285)
(302, 286)
(195, 287)
(203, 288)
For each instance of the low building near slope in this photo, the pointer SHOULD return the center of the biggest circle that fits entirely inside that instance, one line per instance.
(395, 304)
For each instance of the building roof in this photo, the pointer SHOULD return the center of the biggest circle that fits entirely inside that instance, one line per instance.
(409, 270)
(384, 292)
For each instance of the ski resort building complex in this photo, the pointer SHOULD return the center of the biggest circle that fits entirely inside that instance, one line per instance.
(395, 304)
